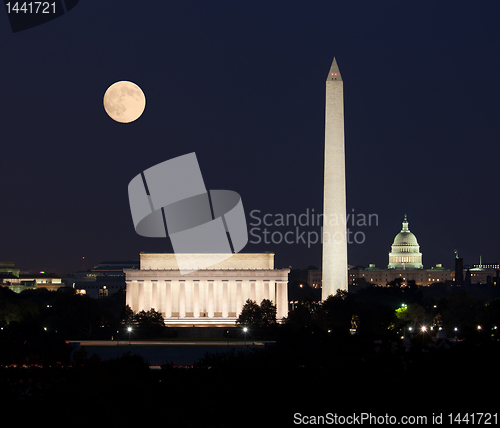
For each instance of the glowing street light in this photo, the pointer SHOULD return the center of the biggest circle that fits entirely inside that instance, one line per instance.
(424, 328)
(129, 329)
(245, 329)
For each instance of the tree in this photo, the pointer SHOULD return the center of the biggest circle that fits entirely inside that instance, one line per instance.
(150, 323)
(13, 307)
(459, 310)
(28, 343)
(489, 317)
(268, 313)
(396, 282)
(250, 315)
(413, 314)
(128, 316)
(76, 316)
(254, 316)
(151, 319)
(335, 314)
(299, 318)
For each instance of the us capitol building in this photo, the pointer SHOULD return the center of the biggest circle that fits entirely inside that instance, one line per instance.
(405, 251)
(405, 262)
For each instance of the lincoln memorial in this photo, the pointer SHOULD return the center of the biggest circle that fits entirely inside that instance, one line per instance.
(210, 296)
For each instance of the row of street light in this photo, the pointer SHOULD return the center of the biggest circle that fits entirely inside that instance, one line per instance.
(424, 329)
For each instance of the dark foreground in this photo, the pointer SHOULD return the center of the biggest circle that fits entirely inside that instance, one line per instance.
(260, 387)
(315, 368)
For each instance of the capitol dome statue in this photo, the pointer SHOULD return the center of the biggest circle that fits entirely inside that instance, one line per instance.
(405, 251)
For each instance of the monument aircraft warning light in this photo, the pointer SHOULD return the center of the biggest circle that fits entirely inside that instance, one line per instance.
(334, 198)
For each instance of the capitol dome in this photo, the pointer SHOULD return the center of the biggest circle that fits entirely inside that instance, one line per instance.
(405, 251)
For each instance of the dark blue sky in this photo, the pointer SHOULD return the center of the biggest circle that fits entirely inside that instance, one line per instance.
(242, 84)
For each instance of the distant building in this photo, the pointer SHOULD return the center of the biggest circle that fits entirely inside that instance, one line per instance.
(493, 266)
(8, 268)
(378, 276)
(11, 278)
(102, 280)
(484, 275)
(50, 281)
(314, 278)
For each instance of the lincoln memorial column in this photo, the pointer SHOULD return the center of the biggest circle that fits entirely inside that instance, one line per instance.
(203, 297)
(162, 297)
(188, 292)
(182, 299)
(147, 295)
(129, 296)
(231, 293)
(281, 299)
(239, 297)
(252, 290)
(154, 295)
(196, 298)
(135, 296)
(225, 299)
(258, 291)
(266, 285)
(210, 299)
(168, 299)
(140, 295)
(217, 295)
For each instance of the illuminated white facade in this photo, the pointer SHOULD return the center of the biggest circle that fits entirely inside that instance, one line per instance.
(377, 276)
(405, 251)
(213, 296)
(334, 198)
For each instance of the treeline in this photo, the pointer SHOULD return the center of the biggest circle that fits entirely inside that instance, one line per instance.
(35, 324)
(382, 312)
(314, 351)
(379, 312)
(70, 314)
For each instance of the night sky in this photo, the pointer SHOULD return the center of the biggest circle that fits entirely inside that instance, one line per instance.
(242, 84)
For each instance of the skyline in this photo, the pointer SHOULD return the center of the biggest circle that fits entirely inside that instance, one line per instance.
(244, 90)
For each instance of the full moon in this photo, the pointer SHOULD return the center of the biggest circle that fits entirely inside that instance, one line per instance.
(124, 101)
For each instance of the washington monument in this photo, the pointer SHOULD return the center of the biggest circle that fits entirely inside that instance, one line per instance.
(334, 208)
